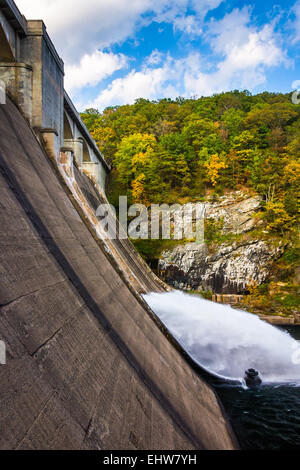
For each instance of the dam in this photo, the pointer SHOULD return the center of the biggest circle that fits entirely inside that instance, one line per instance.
(88, 364)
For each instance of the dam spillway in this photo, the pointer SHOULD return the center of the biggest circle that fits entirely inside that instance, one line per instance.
(227, 341)
(87, 367)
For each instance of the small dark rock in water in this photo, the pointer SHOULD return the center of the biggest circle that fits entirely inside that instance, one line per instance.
(252, 378)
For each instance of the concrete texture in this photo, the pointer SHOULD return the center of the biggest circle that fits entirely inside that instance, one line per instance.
(122, 251)
(18, 81)
(87, 366)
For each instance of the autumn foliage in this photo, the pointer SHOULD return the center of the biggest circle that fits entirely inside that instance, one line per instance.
(181, 150)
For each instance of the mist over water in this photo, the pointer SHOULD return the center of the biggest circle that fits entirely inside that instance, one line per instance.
(226, 341)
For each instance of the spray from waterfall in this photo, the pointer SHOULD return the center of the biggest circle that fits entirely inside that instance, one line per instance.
(226, 341)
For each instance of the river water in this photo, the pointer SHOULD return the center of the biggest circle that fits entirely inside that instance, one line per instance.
(226, 342)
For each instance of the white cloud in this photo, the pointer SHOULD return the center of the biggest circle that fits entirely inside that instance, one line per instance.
(246, 54)
(92, 69)
(188, 24)
(202, 7)
(177, 10)
(244, 45)
(191, 24)
(243, 52)
(79, 28)
(155, 58)
(296, 22)
(231, 30)
(149, 83)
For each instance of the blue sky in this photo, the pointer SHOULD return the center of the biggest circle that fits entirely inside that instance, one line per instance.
(116, 51)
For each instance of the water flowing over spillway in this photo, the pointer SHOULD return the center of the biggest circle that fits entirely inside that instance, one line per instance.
(226, 341)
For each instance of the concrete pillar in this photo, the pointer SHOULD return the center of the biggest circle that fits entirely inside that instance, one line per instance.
(50, 140)
(77, 146)
(37, 50)
(229, 299)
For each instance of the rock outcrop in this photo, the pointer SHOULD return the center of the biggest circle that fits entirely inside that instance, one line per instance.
(228, 268)
(236, 211)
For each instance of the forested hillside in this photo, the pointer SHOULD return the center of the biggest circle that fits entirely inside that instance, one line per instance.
(190, 149)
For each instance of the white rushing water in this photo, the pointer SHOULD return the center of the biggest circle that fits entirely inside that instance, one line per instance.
(226, 341)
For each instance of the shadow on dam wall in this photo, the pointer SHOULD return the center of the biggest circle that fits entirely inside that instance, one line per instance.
(87, 367)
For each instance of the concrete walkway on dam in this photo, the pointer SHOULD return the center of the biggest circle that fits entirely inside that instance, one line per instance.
(87, 367)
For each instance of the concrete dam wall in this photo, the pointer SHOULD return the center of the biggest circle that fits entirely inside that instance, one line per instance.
(88, 364)
(87, 367)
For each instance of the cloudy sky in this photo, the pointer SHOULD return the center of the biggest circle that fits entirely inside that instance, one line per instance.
(116, 51)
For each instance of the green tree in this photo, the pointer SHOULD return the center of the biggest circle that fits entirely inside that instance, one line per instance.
(134, 155)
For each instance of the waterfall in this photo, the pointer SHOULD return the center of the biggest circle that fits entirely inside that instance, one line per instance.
(226, 341)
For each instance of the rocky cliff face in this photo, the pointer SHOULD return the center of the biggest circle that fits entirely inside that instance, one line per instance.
(236, 211)
(227, 268)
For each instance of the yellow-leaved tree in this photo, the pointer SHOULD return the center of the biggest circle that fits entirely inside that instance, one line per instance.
(214, 166)
(133, 162)
(277, 217)
(139, 194)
